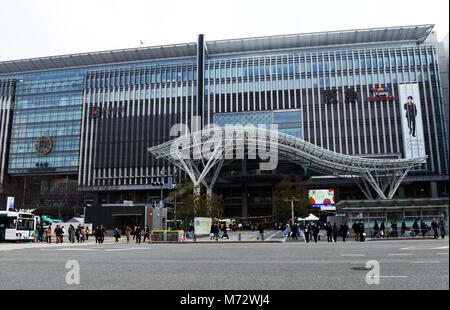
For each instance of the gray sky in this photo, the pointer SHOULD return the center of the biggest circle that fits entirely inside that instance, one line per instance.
(35, 28)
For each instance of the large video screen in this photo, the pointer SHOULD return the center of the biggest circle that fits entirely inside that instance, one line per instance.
(321, 197)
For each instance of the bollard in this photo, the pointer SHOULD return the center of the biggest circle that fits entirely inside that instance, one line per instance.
(195, 237)
(239, 237)
(262, 237)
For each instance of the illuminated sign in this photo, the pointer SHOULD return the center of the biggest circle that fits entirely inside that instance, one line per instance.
(97, 111)
(381, 94)
(321, 197)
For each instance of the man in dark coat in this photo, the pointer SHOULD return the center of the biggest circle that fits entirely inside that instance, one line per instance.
(423, 228)
(416, 228)
(382, 229)
(307, 231)
(261, 231)
(355, 228)
(376, 230)
(137, 234)
(335, 229)
(344, 230)
(404, 228)
(294, 232)
(434, 226)
(361, 231)
(394, 227)
(329, 231)
(315, 230)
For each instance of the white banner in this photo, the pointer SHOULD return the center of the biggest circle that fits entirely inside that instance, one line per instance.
(202, 225)
(411, 116)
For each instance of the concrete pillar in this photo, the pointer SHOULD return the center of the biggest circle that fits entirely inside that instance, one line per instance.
(433, 189)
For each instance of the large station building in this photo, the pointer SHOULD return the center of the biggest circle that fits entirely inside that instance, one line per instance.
(75, 130)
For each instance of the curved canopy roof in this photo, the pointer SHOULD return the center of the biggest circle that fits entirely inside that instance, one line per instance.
(379, 173)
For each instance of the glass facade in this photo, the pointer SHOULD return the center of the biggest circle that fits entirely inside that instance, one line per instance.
(288, 122)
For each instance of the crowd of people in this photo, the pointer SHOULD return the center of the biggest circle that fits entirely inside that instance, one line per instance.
(79, 234)
(311, 230)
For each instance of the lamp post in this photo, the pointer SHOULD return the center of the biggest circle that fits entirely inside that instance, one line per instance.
(292, 208)
(175, 174)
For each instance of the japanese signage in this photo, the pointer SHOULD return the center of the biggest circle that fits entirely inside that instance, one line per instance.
(381, 94)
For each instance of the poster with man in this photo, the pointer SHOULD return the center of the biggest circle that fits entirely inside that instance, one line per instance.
(411, 116)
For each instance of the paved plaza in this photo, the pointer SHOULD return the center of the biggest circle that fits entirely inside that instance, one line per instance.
(403, 264)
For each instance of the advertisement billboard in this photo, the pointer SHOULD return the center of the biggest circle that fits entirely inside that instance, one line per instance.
(319, 198)
(10, 204)
(411, 116)
(202, 225)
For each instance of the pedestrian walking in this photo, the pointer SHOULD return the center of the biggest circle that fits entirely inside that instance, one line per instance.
(423, 228)
(307, 231)
(87, 232)
(316, 229)
(71, 234)
(137, 234)
(376, 230)
(96, 233)
(225, 233)
(434, 227)
(102, 233)
(329, 231)
(382, 229)
(82, 235)
(146, 233)
(362, 233)
(403, 229)
(128, 233)
(355, 228)
(344, 230)
(442, 227)
(116, 234)
(416, 229)
(58, 234)
(335, 230)
(295, 232)
(78, 233)
(48, 234)
(261, 231)
(394, 228)
(40, 233)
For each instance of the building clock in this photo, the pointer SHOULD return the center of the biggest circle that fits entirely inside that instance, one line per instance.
(43, 145)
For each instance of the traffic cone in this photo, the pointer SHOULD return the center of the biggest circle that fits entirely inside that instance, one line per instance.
(184, 237)
(150, 239)
(181, 238)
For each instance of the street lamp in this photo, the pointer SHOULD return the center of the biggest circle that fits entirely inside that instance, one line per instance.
(175, 174)
(161, 183)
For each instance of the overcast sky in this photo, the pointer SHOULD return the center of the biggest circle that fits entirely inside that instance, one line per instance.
(35, 28)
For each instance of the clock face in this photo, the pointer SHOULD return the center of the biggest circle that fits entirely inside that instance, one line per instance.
(43, 145)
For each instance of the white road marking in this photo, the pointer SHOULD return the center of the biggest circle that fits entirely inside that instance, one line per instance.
(441, 248)
(442, 253)
(400, 254)
(392, 277)
(425, 262)
(125, 249)
(272, 235)
(72, 249)
(353, 254)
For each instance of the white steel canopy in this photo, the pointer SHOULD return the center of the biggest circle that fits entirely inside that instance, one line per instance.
(382, 175)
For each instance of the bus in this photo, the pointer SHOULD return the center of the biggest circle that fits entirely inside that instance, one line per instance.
(17, 226)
